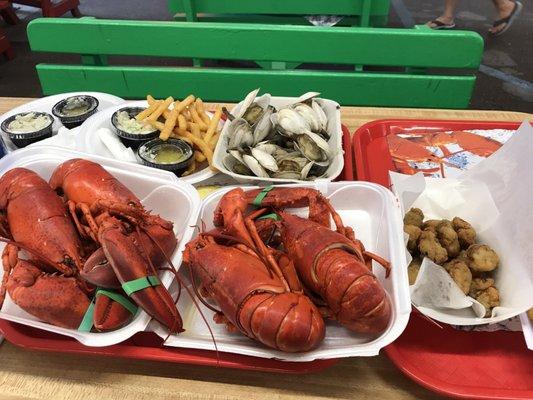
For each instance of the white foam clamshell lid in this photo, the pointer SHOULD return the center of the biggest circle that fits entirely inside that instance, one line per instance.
(373, 212)
(334, 129)
(88, 141)
(158, 190)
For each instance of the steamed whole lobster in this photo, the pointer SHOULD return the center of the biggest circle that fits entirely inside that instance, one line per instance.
(255, 287)
(132, 242)
(332, 265)
(58, 282)
(47, 285)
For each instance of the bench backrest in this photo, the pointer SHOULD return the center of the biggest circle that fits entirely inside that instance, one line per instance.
(407, 52)
(356, 12)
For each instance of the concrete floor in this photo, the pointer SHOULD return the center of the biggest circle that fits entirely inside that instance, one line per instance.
(505, 80)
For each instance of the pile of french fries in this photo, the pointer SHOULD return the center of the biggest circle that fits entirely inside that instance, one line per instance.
(186, 120)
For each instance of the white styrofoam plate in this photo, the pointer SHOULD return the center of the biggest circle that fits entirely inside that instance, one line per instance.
(374, 214)
(334, 129)
(158, 190)
(87, 140)
(45, 104)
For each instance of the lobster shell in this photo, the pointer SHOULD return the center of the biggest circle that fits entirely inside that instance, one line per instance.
(333, 266)
(252, 299)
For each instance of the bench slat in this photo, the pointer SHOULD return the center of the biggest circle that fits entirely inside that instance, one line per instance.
(295, 7)
(375, 20)
(215, 84)
(302, 44)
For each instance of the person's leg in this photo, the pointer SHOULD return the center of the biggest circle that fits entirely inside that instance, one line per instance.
(505, 8)
(447, 16)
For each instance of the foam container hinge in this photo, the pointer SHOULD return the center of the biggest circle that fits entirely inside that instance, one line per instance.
(334, 129)
(374, 214)
(158, 190)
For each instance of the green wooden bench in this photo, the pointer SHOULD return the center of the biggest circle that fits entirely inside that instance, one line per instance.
(432, 68)
(356, 12)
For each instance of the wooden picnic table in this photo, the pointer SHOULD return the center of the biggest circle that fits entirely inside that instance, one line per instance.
(36, 375)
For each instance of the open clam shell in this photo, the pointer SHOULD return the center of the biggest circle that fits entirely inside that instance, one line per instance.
(254, 166)
(240, 134)
(252, 107)
(321, 115)
(264, 126)
(313, 147)
(265, 159)
(236, 166)
(309, 115)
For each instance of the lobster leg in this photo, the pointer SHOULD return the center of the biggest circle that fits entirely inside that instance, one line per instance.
(9, 260)
(262, 248)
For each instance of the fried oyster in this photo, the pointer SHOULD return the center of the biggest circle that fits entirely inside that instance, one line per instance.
(412, 270)
(465, 232)
(489, 297)
(460, 273)
(414, 233)
(448, 238)
(429, 246)
(431, 225)
(480, 284)
(414, 216)
(482, 258)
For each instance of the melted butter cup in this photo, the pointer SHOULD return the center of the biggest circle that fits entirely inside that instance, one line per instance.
(174, 155)
(74, 110)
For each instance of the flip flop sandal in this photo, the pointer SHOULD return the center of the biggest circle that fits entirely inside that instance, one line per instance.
(507, 20)
(441, 25)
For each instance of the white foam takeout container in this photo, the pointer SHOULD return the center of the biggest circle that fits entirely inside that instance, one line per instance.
(159, 191)
(88, 141)
(334, 129)
(46, 104)
(374, 213)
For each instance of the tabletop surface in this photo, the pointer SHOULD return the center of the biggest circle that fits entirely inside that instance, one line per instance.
(36, 375)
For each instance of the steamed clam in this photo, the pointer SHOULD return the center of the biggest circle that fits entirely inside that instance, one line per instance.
(290, 143)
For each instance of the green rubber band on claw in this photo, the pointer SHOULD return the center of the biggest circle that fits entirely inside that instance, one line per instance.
(140, 284)
(128, 305)
(273, 216)
(87, 322)
(262, 194)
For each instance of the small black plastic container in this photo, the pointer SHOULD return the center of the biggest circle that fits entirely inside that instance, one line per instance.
(133, 140)
(148, 150)
(60, 110)
(22, 139)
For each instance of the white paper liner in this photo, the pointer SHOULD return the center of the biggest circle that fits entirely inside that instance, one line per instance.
(495, 197)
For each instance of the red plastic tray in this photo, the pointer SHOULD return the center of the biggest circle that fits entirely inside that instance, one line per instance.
(148, 346)
(371, 151)
(473, 365)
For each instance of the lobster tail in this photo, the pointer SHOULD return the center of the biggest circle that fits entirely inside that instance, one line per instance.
(333, 266)
(352, 292)
(285, 321)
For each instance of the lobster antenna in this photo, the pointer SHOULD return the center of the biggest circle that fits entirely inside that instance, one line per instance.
(186, 288)
(200, 297)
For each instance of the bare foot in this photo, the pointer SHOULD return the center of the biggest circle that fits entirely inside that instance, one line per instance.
(505, 9)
